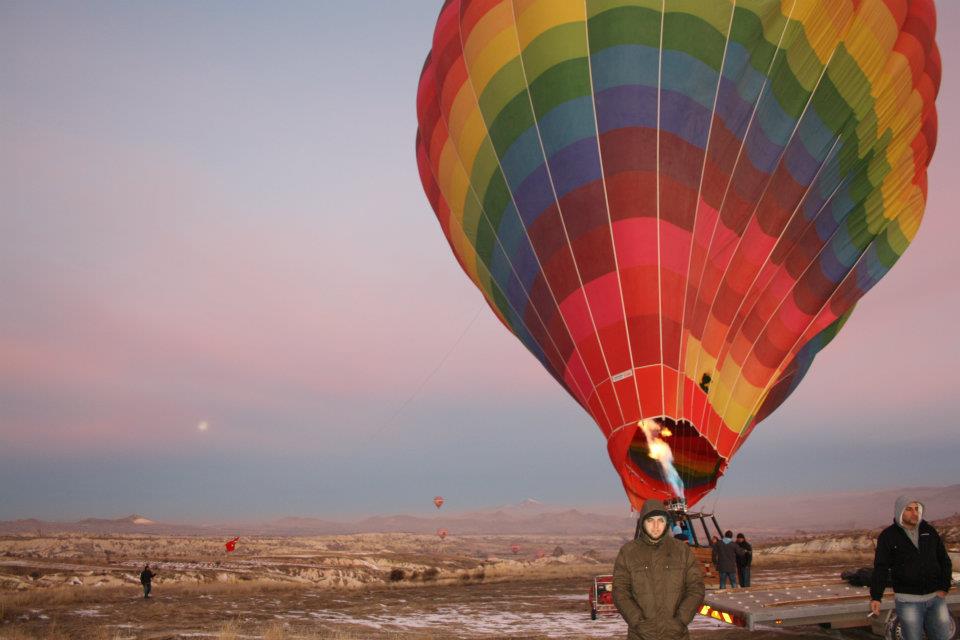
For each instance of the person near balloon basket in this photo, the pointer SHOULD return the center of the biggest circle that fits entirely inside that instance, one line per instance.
(744, 561)
(911, 556)
(727, 554)
(657, 581)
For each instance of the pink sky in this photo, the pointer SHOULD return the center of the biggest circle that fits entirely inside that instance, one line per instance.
(209, 234)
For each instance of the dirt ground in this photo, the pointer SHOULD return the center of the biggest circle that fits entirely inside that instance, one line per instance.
(520, 609)
(369, 587)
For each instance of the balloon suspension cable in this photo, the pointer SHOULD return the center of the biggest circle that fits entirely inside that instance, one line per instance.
(423, 383)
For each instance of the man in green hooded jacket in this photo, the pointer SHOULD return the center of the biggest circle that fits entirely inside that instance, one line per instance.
(657, 581)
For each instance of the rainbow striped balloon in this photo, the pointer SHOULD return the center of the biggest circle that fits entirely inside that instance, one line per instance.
(675, 204)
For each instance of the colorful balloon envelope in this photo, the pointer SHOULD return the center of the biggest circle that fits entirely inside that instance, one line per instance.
(675, 204)
(515, 548)
(438, 502)
(442, 533)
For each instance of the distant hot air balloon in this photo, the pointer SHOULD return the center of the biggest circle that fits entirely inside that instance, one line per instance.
(442, 533)
(541, 554)
(438, 501)
(515, 548)
(675, 211)
(231, 545)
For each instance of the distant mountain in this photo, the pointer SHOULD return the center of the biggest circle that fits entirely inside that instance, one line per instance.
(133, 523)
(504, 521)
(303, 526)
(759, 518)
(841, 511)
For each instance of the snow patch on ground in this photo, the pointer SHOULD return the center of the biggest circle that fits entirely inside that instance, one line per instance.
(494, 618)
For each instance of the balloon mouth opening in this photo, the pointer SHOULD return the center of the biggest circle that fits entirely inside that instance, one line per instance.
(696, 461)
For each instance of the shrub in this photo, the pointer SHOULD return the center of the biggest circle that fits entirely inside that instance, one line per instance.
(397, 575)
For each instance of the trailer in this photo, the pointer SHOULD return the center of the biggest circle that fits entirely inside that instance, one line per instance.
(601, 597)
(828, 604)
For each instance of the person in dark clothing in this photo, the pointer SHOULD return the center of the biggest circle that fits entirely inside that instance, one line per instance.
(744, 561)
(726, 559)
(146, 576)
(911, 555)
(657, 581)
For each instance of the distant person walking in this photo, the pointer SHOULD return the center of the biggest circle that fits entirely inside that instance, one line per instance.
(146, 577)
(727, 553)
(657, 581)
(744, 561)
(911, 555)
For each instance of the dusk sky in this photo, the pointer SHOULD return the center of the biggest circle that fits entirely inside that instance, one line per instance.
(211, 213)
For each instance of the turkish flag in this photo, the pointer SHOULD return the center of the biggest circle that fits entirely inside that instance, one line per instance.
(232, 544)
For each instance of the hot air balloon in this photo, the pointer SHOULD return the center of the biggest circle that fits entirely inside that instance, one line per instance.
(515, 548)
(675, 204)
(438, 502)
(442, 533)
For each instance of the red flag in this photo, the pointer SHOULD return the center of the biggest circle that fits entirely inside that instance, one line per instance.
(232, 544)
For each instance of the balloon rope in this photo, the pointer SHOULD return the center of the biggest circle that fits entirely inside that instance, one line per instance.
(392, 419)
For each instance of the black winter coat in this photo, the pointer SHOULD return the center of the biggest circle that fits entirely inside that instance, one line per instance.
(911, 570)
(727, 556)
(747, 558)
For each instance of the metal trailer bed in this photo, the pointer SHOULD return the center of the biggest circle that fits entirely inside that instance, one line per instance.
(835, 604)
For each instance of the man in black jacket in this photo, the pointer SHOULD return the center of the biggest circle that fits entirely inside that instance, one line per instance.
(744, 561)
(146, 578)
(727, 554)
(911, 554)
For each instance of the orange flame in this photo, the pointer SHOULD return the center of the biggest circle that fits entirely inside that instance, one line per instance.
(660, 451)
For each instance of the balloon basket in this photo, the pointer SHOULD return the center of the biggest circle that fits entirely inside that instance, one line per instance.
(677, 506)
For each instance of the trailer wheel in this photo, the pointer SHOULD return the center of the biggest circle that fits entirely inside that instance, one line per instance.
(893, 631)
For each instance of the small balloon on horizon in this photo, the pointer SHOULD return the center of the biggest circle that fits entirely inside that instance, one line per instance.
(203, 425)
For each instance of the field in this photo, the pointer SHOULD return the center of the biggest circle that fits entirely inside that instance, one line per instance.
(398, 586)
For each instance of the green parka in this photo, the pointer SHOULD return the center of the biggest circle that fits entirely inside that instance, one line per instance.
(657, 584)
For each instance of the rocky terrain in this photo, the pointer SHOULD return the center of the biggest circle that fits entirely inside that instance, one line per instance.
(59, 583)
(30, 563)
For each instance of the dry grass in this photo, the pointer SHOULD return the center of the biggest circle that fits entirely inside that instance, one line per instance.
(12, 605)
(50, 633)
(278, 631)
(229, 631)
